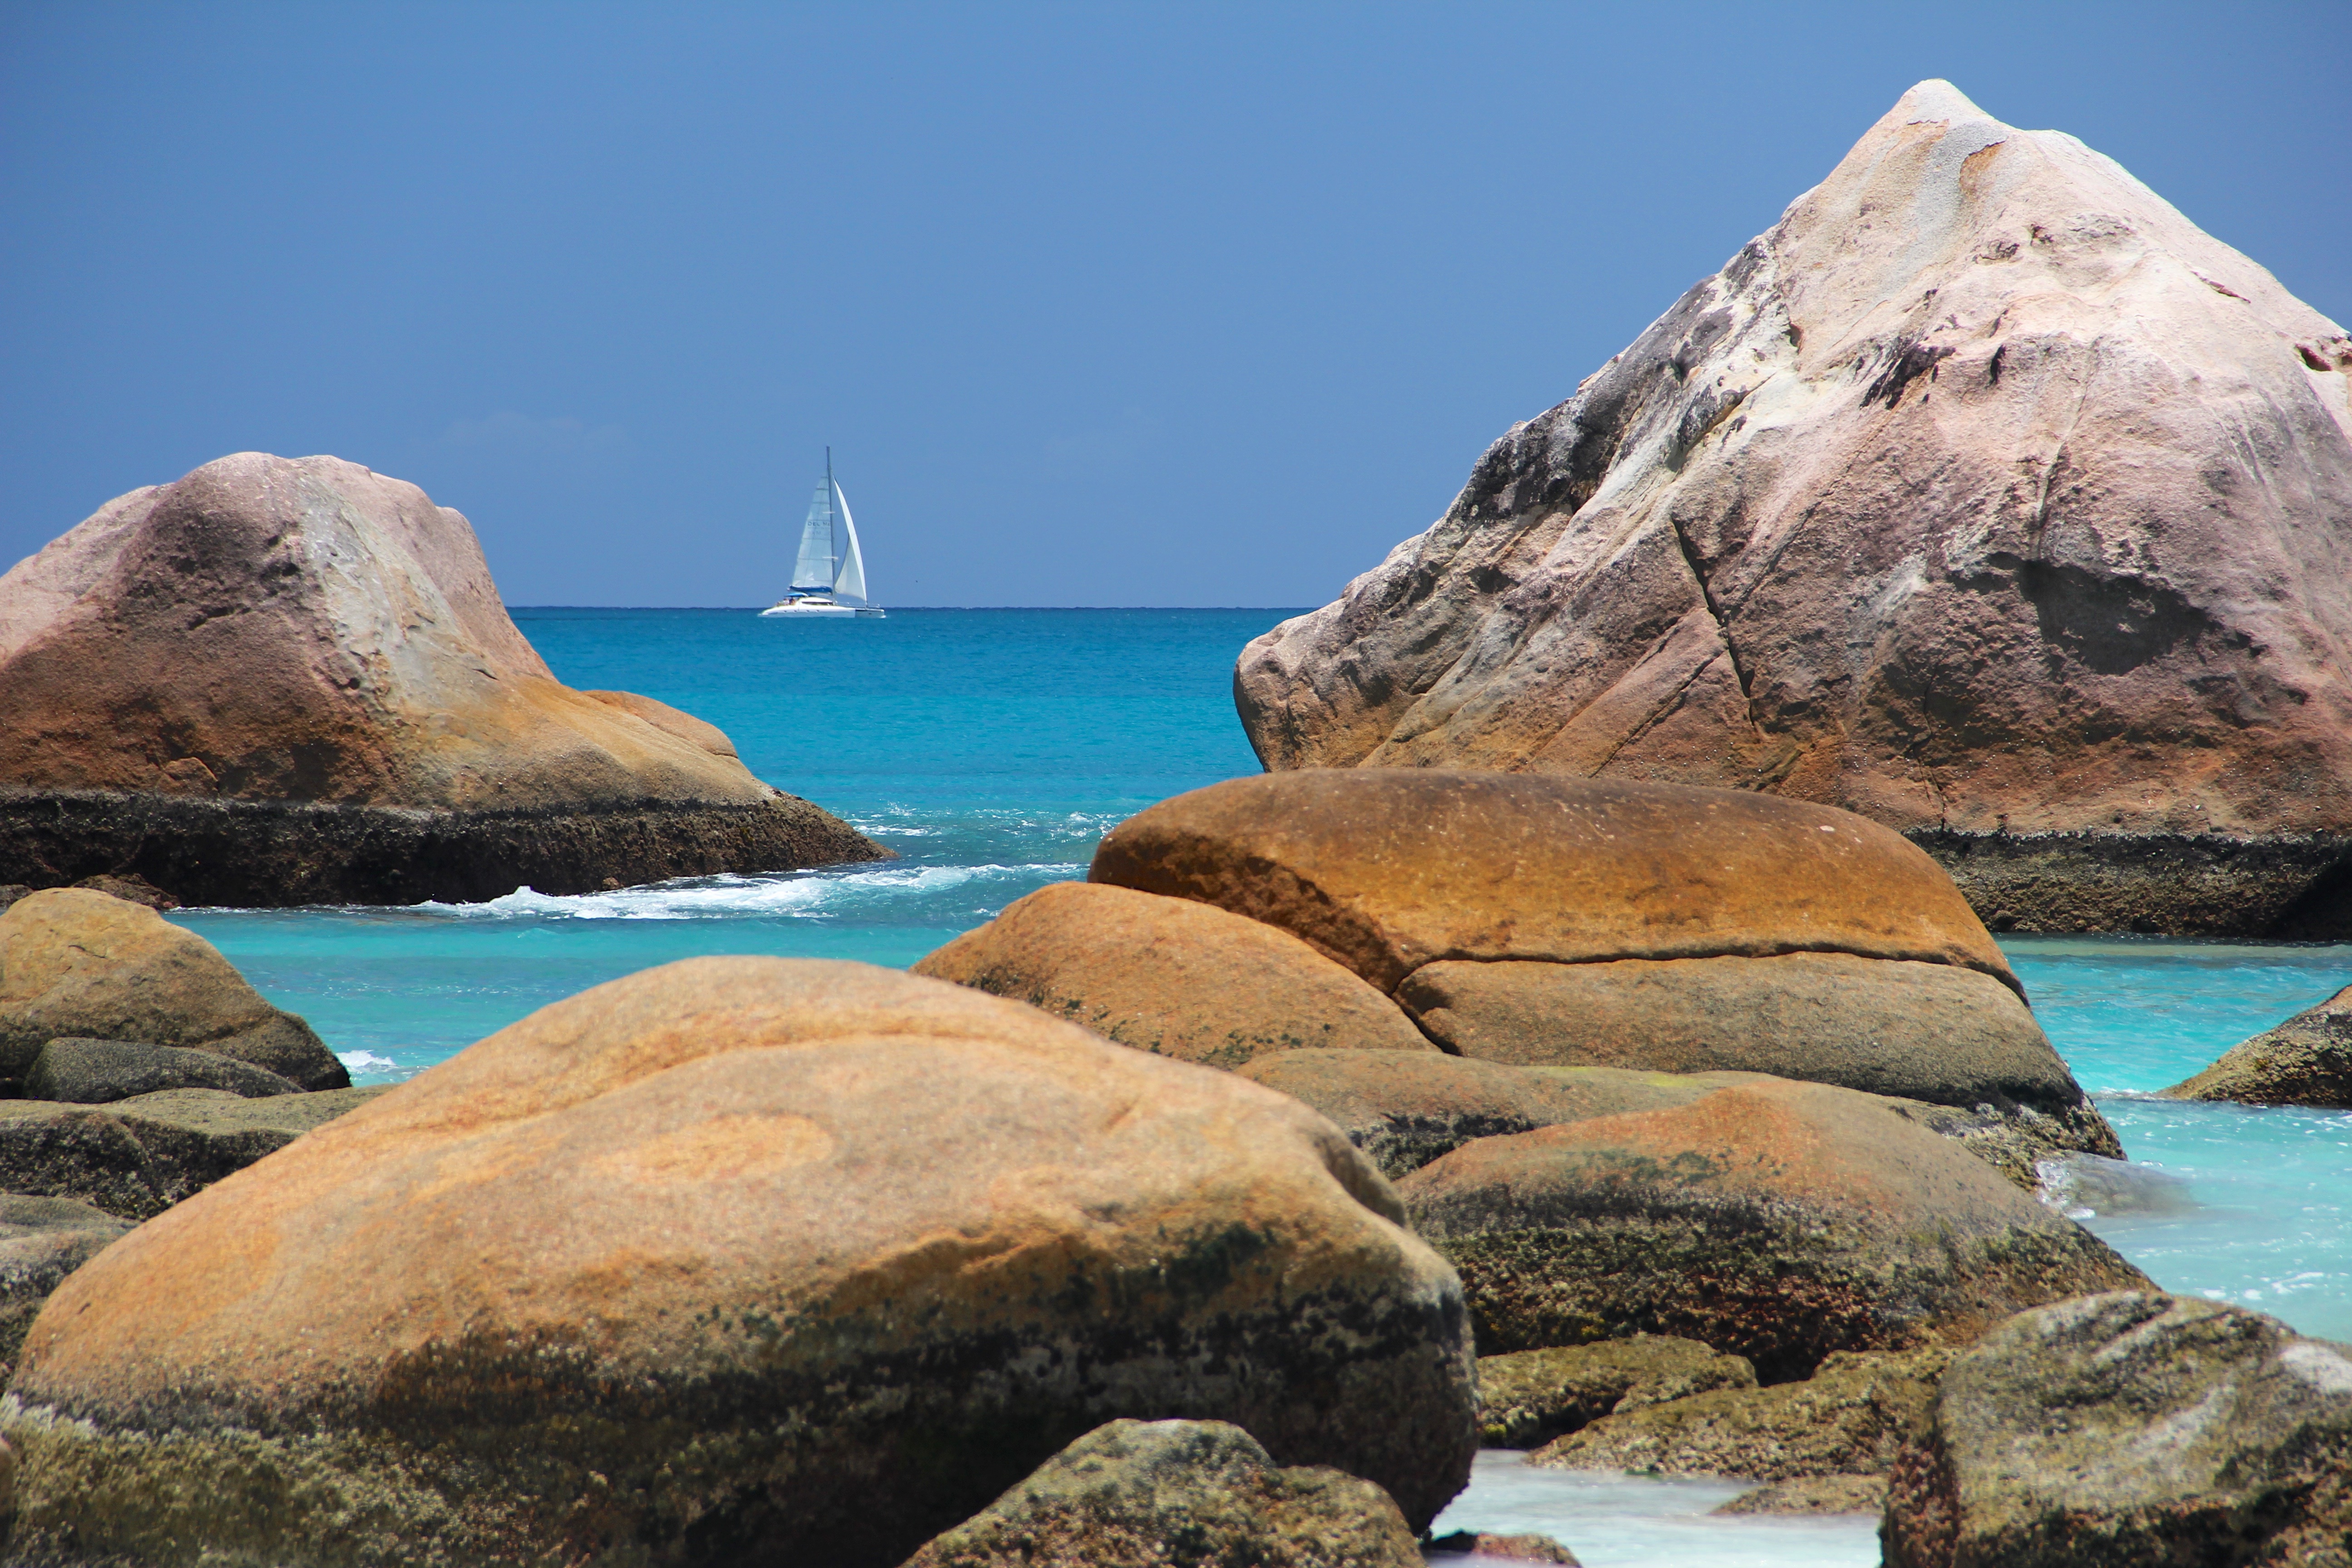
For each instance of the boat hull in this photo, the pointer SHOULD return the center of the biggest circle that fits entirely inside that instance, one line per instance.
(797, 608)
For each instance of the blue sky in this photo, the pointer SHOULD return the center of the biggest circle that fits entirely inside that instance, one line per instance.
(1098, 304)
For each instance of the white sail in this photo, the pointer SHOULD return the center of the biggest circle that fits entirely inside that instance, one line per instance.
(850, 586)
(813, 572)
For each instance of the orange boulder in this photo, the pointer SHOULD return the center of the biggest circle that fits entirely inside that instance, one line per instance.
(809, 1260)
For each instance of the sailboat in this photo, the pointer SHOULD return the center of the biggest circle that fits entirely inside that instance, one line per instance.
(829, 575)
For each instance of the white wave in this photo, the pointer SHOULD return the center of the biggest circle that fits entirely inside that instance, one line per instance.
(804, 894)
(365, 1061)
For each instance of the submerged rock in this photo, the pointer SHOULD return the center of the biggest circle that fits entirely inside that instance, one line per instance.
(281, 681)
(1179, 1494)
(80, 964)
(42, 1240)
(1984, 494)
(94, 1072)
(1812, 1495)
(1773, 1220)
(1529, 1397)
(1172, 976)
(1466, 1543)
(2132, 1430)
(805, 1260)
(138, 1157)
(1559, 922)
(1846, 1420)
(2307, 1061)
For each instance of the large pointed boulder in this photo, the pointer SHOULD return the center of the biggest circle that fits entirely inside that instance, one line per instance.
(278, 681)
(1984, 494)
(741, 1259)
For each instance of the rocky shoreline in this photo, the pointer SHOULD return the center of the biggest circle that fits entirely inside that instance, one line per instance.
(275, 853)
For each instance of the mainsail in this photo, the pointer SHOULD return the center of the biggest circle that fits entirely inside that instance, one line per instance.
(813, 572)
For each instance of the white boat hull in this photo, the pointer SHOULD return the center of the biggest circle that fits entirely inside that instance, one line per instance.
(799, 608)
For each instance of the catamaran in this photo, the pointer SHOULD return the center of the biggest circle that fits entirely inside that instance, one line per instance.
(829, 576)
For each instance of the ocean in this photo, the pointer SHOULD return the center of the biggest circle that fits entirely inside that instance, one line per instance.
(992, 747)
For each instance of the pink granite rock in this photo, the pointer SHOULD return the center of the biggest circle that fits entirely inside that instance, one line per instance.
(324, 645)
(1984, 494)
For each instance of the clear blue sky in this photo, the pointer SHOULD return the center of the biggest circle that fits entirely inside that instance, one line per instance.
(1179, 304)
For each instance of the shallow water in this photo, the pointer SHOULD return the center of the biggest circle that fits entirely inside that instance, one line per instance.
(1637, 1521)
(993, 747)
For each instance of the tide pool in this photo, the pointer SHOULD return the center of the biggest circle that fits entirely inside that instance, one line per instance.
(992, 749)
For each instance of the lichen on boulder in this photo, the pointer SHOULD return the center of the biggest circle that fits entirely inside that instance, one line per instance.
(808, 1258)
(2132, 1430)
(1178, 1494)
(1778, 1221)
(1847, 1419)
(1529, 1397)
(2307, 1061)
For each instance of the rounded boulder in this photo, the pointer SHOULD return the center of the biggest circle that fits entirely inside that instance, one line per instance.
(79, 965)
(2131, 1430)
(1775, 1220)
(1387, 870)
(1169, 975)
(739, 1258)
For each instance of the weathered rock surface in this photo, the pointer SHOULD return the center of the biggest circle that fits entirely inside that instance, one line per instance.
(77, 963)
(1388, 869)
(1774, 1220)
(743, 1257)
(1529, 1397)
(1404, 1109)
(1537, 919)
(1179, 1494)
(2127, 1430)
(95, 1072)
(1984, 494)
(1847, 1419)
(137, 1157)
(42, 1240)
(1813, 1495)
(2307, 1061)
(1918, 1031)
(1170, 975)
(279, 680)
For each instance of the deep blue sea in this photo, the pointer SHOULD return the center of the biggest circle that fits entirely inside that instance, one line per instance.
(992, 747)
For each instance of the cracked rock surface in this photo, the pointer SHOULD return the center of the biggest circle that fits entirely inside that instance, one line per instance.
(1983, 495)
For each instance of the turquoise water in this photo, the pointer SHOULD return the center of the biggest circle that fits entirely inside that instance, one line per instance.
(992, 747)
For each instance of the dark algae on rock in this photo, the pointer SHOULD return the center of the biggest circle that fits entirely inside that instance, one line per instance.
(1777, 1221)
(1178, 1494)
(1529, 1397)
(2307, 1061)
(2131, 1430)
